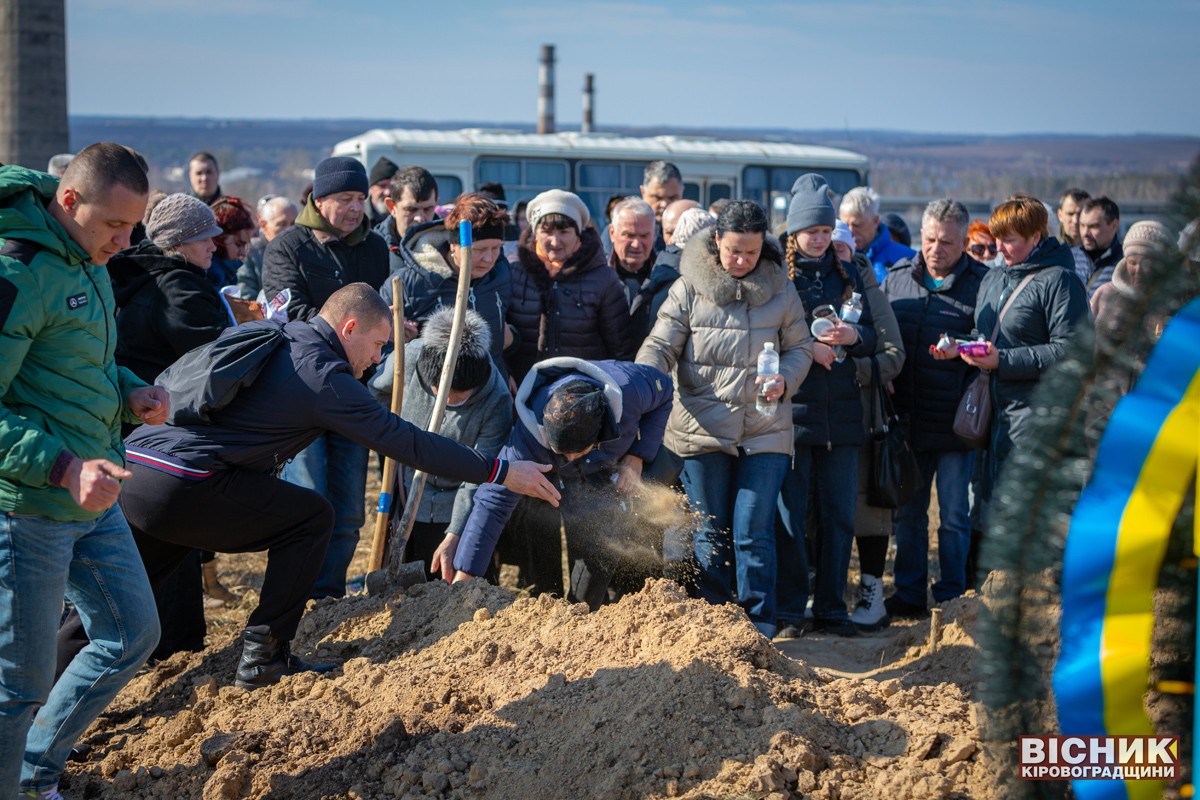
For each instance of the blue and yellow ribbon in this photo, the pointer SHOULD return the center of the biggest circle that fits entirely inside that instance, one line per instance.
(1145, 467)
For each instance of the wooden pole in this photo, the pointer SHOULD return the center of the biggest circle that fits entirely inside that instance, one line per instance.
(400, 540)
(383, 509)
(935, 630)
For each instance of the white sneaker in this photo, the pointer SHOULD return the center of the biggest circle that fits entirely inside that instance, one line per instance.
(869, 614)
(48, 793)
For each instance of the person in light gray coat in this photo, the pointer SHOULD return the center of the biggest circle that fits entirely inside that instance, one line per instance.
(731, 298)
(478, 414)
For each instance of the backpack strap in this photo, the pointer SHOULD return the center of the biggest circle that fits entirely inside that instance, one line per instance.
(20, 250)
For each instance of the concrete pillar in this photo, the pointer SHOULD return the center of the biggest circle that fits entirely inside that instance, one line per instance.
(33, 81)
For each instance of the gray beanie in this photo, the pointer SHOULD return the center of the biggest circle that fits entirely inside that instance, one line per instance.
(810, 204)
(556, 201)
(339, 174)
(179, 219)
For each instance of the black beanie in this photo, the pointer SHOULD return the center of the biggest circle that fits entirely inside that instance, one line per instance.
(339, 174)
(383, 170)
(573, 416)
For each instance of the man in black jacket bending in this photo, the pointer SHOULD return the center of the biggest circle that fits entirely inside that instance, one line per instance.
(214, 485)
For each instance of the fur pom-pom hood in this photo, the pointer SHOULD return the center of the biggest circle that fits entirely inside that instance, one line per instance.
(476, 336)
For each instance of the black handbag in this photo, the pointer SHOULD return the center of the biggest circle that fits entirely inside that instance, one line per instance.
(895, 475)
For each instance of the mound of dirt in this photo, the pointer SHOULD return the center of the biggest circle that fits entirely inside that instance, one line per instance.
(467, 692)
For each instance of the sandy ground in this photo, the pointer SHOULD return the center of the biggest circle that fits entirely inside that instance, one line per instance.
(475, 691)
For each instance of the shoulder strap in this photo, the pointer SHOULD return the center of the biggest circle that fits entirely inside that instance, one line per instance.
(20, 250)
(883, 415)
(875, 386)
(1008, 303)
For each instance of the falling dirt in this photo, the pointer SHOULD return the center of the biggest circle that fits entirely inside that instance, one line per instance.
(469, 691)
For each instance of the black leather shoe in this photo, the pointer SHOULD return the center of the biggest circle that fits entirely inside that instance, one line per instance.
(899, 608)
(266, 659)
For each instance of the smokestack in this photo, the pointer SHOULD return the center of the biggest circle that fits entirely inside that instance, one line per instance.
(546, 91)
(589, 95)
(33, 81)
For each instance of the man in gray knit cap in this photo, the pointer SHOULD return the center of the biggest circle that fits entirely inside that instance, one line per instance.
(330, 246)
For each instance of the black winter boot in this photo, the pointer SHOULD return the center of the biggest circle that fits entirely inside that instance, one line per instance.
(266, 659)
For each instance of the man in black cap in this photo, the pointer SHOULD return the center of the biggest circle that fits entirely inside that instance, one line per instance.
(330, 246)
(381, 189)
(596, 423)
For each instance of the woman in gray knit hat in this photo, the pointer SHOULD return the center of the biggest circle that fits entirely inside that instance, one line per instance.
(165, 303)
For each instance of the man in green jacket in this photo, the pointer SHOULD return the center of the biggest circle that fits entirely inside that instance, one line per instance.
(62, 401)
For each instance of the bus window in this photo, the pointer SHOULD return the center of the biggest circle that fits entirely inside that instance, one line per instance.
(449, 187)
(550, 174)
(691, 191)
(597, 181)
(754, 185)
(500, 170)
(523, 176)
(600, 176)
(719, 191)
(771, 187)
(840, 180)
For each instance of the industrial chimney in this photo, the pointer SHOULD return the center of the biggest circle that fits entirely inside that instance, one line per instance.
(33, 81)
(589, 96)
(546, 91)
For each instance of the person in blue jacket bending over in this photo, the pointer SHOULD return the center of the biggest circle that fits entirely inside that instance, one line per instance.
(598, 424)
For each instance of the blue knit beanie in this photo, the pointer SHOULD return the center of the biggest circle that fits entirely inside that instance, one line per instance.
(810, 204)
(339, 174)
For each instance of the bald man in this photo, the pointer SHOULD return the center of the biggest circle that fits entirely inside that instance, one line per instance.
(671, 216)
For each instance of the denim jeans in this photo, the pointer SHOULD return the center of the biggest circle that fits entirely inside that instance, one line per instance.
(96, 566)
(835, 473)
(736, 542)
(953, 470)
(336, 468)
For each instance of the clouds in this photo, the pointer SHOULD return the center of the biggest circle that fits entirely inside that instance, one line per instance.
(926, 65)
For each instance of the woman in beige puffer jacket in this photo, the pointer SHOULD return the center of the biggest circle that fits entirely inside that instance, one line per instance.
(731, 298)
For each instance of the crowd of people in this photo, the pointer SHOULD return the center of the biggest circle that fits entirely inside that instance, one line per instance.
(194, 373)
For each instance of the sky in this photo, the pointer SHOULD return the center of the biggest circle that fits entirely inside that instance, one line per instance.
(948, 66)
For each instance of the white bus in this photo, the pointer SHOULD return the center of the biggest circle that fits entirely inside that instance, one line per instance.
(597, 166)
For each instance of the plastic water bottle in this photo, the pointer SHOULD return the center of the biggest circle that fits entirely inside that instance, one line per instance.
(768, 368)
(852, 309)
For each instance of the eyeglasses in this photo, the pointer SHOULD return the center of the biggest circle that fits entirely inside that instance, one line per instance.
(979, 249)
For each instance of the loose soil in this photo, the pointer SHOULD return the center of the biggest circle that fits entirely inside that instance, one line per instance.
(480, 691)
(471, 691)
